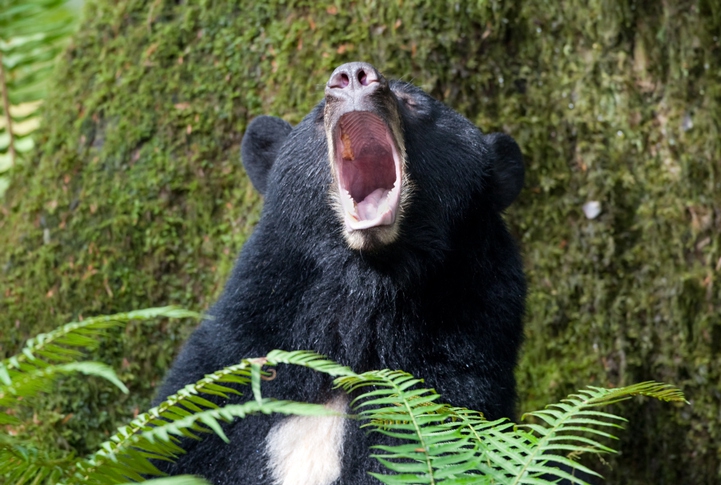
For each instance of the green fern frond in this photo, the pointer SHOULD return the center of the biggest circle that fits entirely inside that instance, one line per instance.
(597, 396)
(441, 444)
(153, 435)
(44, 359)
(433, 442)
(30, 383)
(21, 462)
(65, 343)
(177, 406)
(565, 422)
(32, 34)
(309, 359)
(118, 464)
(30, 474)
(531, 453)
(51, 355)
(303, 358)
(433, 446)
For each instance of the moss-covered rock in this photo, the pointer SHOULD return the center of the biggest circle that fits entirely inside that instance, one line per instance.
(136, 196)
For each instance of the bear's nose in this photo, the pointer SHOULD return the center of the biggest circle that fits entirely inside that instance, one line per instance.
(354, 76)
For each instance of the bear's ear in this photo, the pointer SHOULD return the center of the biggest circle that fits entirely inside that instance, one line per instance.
(260, 146)
(506, 168)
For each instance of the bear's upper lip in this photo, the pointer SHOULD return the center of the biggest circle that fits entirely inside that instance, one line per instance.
(368, 168)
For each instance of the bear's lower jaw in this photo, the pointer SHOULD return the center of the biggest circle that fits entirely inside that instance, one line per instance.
(377, 209)
(371, 239)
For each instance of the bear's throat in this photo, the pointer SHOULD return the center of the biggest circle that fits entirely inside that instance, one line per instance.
(369, 171)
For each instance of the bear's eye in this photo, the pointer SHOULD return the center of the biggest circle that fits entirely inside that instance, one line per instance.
(409, 101)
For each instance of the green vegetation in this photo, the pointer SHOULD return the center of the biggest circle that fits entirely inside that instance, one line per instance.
(136, 197)
(32, 34)
(29, 451)
(435, 442)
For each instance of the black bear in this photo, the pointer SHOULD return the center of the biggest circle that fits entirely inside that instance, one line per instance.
(381, 245)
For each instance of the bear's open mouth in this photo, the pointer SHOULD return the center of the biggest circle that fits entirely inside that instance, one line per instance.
(369, 170)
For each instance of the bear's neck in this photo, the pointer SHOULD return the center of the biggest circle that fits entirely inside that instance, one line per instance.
(367, 311)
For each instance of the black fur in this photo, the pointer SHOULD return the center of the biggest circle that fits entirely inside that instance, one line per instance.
(443, 302)
(263, 138)
(507, 177)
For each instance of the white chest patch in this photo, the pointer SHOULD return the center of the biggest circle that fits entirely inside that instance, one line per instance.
(307, 450)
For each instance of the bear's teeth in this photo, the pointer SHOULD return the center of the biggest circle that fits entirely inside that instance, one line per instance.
(350, 198)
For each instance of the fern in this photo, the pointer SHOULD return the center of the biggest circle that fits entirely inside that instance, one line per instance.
(43, 360)
(21, 462)
(132, 460)
(155, 435)
(32, 34)
(441, 444)
(397, 409)
(311, 360)
(133, 446)
(435, 443)
(27, 384)
(431, 442)
(52, 354)
(433, 446)
(565, 421)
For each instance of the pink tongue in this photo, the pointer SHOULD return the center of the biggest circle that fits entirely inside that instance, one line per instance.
(368, 209)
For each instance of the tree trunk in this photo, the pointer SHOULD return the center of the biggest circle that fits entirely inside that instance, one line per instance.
(137, 197)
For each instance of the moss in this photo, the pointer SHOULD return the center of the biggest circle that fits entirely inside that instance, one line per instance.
(136, 196)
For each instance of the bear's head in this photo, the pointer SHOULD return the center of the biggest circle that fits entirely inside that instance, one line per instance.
(382, 162)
